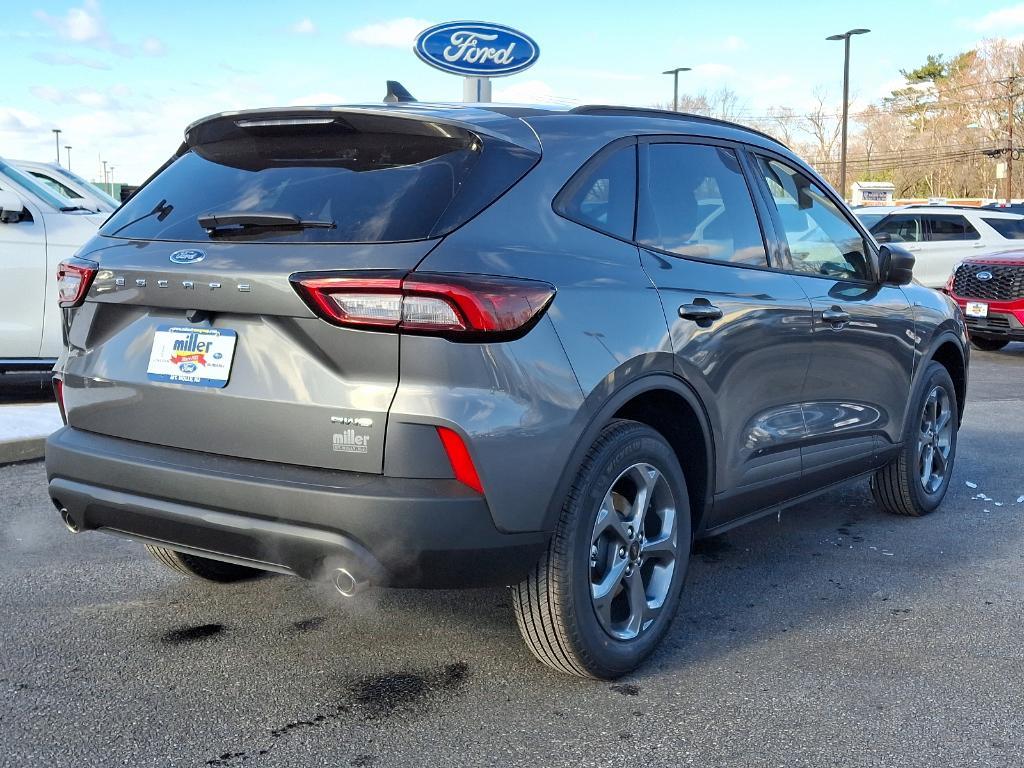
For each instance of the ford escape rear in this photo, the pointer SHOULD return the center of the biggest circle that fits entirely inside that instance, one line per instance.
(429, 345)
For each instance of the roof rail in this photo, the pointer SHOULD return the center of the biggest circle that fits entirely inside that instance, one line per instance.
(610, 110)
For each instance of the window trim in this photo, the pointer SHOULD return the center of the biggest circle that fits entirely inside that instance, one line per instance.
(642, 160)
(572, 186)
(840, 205)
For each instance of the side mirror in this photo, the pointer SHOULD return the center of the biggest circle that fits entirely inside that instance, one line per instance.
(895, 265)
(11, 207)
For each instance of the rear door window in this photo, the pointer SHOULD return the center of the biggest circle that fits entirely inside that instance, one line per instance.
(391, 180)
(1011, 229)
(603, 195)
(945, 228)
(901, 228)
(694, 201)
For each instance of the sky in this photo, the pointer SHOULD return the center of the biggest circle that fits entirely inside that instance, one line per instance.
(122, 79)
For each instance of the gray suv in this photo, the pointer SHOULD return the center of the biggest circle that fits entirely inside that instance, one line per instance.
(448, 346)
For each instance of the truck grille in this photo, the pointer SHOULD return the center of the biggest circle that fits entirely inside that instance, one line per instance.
(1007, 282)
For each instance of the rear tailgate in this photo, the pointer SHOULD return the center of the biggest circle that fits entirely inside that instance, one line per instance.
(298, 391)
(150, 355)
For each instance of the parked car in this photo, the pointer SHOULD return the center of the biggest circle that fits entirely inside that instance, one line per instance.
(38, 230)
(940, 237)
(68, 185)
(869, 215)
(990, 291)
(439, 345)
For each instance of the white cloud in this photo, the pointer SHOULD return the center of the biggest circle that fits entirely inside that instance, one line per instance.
(396, 33)
(316, 99)
(713, 70)
(18, 121)
(153, 46)
(528, 92)
(304, 27)
(997, 21)
(80, 25)
(66, 59)
(48, 93)
(733, 43)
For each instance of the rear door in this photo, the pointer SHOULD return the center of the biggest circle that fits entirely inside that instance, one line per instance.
(856, 390)
(193, 336)
(740, 330)
(949, 239)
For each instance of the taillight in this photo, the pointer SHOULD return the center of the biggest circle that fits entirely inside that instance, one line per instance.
(74, 276)
(461, 307)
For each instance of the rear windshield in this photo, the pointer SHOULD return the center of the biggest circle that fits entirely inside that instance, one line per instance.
(369, 185)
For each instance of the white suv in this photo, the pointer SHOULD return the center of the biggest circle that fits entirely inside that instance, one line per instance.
(68, 185)
(940, 237)
(38, 230)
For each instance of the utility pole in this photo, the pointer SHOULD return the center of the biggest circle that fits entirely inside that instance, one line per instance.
(675, 84)
(845, 37)
(68, 148)
(104, 172)
(56, 137)
(1011, 97)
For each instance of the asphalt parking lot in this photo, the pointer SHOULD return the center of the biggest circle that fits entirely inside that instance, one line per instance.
(833, 636)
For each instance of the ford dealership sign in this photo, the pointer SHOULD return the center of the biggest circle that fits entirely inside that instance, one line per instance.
(476, 49)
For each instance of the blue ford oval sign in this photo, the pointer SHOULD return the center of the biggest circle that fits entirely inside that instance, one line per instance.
(187, 256)
(476, 49)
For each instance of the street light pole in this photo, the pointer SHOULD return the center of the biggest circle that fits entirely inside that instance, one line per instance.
(68, 148)
(675, 84)
(56, 137)
(104, 172)
(845, 37)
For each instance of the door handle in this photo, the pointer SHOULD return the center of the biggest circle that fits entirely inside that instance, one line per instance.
(835, 316)
(701, 311)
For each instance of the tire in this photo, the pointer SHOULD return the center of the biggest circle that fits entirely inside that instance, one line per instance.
(900, 487)
(202, 567)
(563, 623)
(988, 344)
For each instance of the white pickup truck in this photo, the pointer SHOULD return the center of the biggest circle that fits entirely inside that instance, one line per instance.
(38, 230)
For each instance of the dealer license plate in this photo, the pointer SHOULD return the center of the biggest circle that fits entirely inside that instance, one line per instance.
(199, 357)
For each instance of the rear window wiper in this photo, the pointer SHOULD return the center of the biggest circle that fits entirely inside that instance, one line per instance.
(238, 221)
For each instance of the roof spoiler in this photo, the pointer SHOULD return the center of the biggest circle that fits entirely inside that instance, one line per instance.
(397, 93)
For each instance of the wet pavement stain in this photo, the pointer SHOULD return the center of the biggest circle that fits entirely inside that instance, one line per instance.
(191, 634)
(711, 550)
(372, 699)
(306, 625)
(380, 696)
(626, 689)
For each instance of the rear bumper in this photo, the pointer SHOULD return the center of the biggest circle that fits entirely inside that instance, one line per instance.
(391, 531)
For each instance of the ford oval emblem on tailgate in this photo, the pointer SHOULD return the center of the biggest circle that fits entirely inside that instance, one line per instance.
(188, 256)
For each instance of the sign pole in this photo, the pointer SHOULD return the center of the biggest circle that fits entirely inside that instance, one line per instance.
(476, 89)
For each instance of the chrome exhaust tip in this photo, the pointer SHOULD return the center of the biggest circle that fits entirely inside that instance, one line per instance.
(69, 521)
(347, 584)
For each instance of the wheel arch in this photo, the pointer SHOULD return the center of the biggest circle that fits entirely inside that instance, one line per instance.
(646, 400)
(947, 350)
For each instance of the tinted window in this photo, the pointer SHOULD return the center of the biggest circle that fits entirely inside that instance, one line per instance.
(696, 203)
(901, 228)
(870, 219)
(942, 228)
(1012, 229)
(374, 185)
(822, 241)
(603, 195)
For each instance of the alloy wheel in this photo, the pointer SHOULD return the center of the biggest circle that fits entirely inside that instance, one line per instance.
(935, 439)
(633, 551)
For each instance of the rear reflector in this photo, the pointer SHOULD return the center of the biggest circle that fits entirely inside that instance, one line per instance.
(460, 307)
(58, 395)
(458, 455)
(74, 276)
